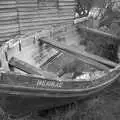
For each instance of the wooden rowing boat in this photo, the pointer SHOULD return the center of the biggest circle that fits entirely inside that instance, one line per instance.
(25, 74)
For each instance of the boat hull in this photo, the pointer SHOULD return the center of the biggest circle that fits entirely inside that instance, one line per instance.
(25, 87)
(19, 105)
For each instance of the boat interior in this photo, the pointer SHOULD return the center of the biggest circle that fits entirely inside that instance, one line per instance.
(43, 57)
(66, 53)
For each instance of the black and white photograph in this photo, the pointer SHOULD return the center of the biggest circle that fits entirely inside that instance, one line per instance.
(59, 59)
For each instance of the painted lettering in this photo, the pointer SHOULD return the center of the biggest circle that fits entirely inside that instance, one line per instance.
(46, 83)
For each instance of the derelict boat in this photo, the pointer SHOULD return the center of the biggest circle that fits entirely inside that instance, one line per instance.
(32, 76)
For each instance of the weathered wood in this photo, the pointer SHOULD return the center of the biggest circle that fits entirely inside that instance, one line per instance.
(8, 30)
(8, 19)
(41, 16)
(7, 6)
(8, 22)
(51, 59)
(80, 20)
(8, 14)
(15, 62)
(11, 2)
(8, 34)
(53, 10)
(42, 11)
(25, 28)
(8, 10)
(41, 22)
(26, 1)
(82, 55)
(29, 83)
(47, 20)
(43, 26)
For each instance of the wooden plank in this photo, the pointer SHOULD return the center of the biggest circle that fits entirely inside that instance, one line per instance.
(32, 29)
(27, 5)
(21, 13)
(8, 22)
(55, 14)
(53, 9)
(5, 19)
(7, 10)
(46, 19)
(35, 1)
(7, 2)
(67, 3)
(45, 16)
(42, 17)
(43, 8)
(42, 12)
(15, 62)
(7, 6)
(7, 34)
(66, 6)
(8, 27)
(9, 31)
(26, 1)
(38, 23)
(8, 18)
(82, 55)
(29, 27)
(61, 7)
(38, 28)
(29, 9)
(8, 14)
(67, 0)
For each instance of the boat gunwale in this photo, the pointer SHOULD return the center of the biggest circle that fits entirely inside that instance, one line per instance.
(57, 92)
(60, 89)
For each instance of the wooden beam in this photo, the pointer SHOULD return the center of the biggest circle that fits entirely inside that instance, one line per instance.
(51, 59)
(82, 55)
(17, 63)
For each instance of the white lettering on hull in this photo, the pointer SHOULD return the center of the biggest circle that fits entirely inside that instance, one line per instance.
(46, 83)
